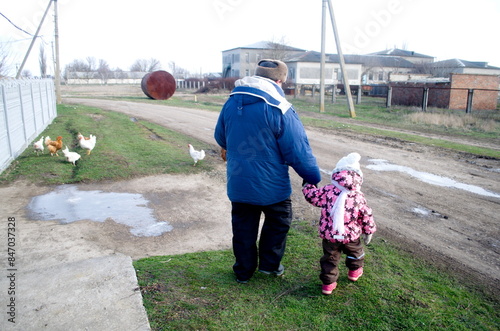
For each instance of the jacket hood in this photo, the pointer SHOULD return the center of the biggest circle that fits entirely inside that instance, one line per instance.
(264, 89)
(348, 179)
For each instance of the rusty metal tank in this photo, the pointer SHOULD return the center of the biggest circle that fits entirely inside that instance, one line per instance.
(158, 85)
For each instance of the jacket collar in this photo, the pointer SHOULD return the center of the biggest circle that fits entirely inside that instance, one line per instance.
(263, 88)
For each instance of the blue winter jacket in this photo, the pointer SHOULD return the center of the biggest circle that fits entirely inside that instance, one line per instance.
(263, 135)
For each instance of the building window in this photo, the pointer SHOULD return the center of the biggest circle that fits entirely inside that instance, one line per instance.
(247, 57)
(381, 76)
(247, 72)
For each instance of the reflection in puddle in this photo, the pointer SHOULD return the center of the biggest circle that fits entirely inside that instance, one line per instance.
(68, 204)
(382, 165)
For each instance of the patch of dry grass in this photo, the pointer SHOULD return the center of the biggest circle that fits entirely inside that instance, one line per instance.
(455, 121)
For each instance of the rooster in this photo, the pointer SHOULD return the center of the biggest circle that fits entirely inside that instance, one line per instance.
(53, 146)
(196, 155)
(71, 156)
(87, 143)
(38, 146)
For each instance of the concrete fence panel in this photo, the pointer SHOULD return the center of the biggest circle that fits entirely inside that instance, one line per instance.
(27, 107)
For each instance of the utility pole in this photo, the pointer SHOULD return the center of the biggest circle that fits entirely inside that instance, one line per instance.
(322, 69)
(57, 70)
(20, 69)
(345, 77)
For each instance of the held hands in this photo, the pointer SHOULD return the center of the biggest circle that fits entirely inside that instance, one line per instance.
(304, 183)
(367, 238)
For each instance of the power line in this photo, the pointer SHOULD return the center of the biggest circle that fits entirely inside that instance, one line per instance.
(16, 25)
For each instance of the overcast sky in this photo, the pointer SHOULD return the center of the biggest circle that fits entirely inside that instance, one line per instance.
(193, 33)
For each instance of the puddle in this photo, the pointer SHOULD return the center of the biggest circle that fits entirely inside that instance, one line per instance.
(383, 165)
(421, 211)
(68, 204)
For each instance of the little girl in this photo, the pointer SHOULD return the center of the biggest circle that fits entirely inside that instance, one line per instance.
(345, 216)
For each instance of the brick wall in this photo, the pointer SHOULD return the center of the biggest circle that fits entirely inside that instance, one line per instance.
(451, 95)
(411, 94)
(482, 99)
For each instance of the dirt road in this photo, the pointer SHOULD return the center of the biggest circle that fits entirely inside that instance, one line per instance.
(455, 228)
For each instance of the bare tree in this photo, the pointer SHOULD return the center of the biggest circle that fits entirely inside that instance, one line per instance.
(277, 49)
(153, 65)
(42, 60)
(144, 65)
(76, 66)
(104, 71)
(26, 74)
(176, 71)
(91, 62)
(4, 55)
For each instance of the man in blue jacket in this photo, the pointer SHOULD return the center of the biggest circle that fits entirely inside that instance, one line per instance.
(262, 136)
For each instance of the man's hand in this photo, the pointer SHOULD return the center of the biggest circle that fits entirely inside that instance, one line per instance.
(223, 154)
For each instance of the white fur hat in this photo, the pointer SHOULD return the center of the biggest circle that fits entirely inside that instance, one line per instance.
(349, 162)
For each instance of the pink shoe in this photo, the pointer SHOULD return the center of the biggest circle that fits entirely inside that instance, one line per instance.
(327, 289)
(355, 274)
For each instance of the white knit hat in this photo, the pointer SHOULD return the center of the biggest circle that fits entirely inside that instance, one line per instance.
(349, 162)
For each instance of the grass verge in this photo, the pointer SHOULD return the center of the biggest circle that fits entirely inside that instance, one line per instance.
(331, 124)
(198, 291)
(125, 148)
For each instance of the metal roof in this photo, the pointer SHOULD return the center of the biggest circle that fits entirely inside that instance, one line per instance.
(401, 52)
(366, 60)
(267, 45)
(457, 63)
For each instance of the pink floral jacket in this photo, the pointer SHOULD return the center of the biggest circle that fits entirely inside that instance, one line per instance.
(358, 217)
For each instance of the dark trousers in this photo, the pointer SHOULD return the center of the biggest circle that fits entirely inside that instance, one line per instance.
(272, 243)
(331, 257)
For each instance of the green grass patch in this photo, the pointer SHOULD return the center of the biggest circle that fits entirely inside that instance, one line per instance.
(125, 148)
(198, 291)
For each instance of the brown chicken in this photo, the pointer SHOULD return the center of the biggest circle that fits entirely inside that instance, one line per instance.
(54, 145)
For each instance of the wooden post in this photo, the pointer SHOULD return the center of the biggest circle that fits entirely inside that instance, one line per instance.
(323, 60)
(19, 71)
(389, 97)
(345, 76)
(334, 93)
(358, 96)
(57, 70)
(425, 99)
(470, 97)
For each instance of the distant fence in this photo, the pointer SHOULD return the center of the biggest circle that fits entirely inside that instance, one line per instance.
(27, 107)
(457, 98)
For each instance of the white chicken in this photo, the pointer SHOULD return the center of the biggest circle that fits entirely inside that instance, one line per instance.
(71, 157)
(87, 143)
(196, 155)
(38, 146)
